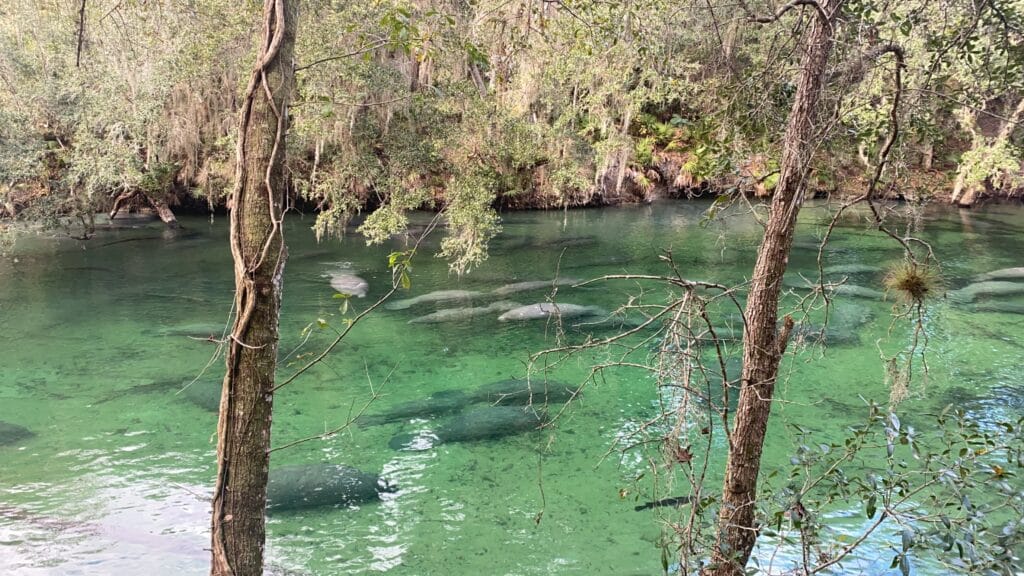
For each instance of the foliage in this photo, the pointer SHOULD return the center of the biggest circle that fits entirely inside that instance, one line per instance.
(1000, 161)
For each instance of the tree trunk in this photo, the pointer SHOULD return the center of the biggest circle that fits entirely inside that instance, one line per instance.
(966, 194)
(414, 73)
(258, 250)
(163, 210)
(763, 343)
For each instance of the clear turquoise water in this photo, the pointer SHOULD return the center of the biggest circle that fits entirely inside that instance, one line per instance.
(93, 352)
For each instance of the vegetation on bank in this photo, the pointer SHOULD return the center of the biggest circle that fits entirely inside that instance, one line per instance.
(478, 106)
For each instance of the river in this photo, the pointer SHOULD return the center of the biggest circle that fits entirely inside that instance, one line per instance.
(99, 338)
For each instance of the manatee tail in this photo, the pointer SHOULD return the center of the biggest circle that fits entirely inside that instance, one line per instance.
(385, 486)
(419, 441)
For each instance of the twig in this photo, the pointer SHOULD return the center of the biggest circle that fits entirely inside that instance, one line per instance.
(356, 52)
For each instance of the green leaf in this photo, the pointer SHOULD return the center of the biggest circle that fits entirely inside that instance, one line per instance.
(872, 506)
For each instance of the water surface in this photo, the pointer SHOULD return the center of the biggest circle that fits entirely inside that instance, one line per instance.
(99, 338)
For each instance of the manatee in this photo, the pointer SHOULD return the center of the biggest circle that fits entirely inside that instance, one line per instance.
(433, 298)
(13, 433)
(533, 285)
(858, 292)
(1003, 274)
(834, 335)
(837, 289)
(314, 485)
(972, 292)
(203, 393)
(733, 368)
(200, 330)
(546, 309)
(674, 501)
(848, 315)
(568, 242)
(444, 402)
(349, 284)
(456, 314)
(839, 269)
(486, 423)
(831, 336)
(520, 392)
(1000, 307)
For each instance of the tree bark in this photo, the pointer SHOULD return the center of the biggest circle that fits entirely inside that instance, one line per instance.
(163, 210)
(763, 343)
(258, 250)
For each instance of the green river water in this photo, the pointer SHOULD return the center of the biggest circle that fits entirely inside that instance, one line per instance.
(95, 346)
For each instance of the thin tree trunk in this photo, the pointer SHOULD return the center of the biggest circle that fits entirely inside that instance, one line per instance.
(81, 34)
(763, 343)
(258, 250)
(414, 73)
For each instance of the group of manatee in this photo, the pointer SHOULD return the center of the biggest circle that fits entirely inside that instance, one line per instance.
(988, 287)
(492, 411)
(511, 407)
(505, 310)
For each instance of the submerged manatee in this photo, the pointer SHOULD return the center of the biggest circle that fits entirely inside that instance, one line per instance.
(456, 314)
(674, 501)
(972, 292)
(1003, 274)
(517, 391)
(849, 315)
(533, 285)
(199, 330)
(13, 433)
(858, 292)
(433, 298)
(851, 269)
(203, 393)
(349, 284)
(444, 402)
(312, 485)
(1000, 307)
(485, 423)
(547, 309)
(831, 335)
(838, 289)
